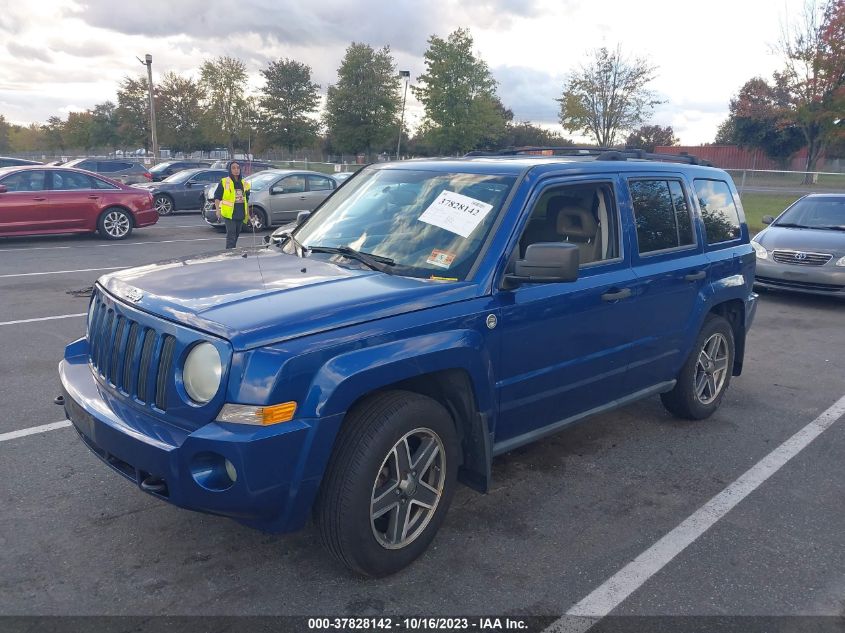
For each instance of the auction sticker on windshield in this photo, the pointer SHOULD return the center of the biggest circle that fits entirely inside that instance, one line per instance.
(441, 259)
(456, 213)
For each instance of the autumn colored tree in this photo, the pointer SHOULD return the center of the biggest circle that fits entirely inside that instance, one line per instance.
(648, 137)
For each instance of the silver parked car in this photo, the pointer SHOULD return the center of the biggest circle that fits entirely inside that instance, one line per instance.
(804, 248)
(277, 196)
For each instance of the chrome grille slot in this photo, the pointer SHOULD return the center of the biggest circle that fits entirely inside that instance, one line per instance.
(801, 258)
(165, 361)
(144, 364)
(105, 342)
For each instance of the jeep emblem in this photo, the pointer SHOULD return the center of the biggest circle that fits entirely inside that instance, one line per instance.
(491, 321)
(133, 294)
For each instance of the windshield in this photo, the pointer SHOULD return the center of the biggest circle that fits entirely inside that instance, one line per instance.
(815, 213)
(181, 176)
(430, 223)
(157, 169)
(261, 181)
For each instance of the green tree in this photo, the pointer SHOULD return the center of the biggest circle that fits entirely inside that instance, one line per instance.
(77, 130)
(179, 112)
(814, 75)
(462, 111)
(27, 139)
(526, 134)
(104, 125)
(648, 137)
(362, 108)
(289, 99)
(133, 113)
(608, 96)
(54, 133)
(225, 79)
(5, 128)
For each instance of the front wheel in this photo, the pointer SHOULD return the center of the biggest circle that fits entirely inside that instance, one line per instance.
(163, 204)
(389, 483)
(706, 374)
(115, 224)
(258, 219)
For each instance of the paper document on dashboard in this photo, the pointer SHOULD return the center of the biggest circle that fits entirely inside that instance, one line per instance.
(456, 213)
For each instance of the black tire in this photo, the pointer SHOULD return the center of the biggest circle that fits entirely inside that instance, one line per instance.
(115, 224)
(258, 219)
(363, 457)
(163, 204)
(702, 382)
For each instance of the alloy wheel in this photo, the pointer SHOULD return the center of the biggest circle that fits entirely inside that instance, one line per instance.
(116, 224)
(407, 489)
(711, 368)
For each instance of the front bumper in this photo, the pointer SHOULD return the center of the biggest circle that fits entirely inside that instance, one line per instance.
(209, 214)
(827, 280)
(279, 468)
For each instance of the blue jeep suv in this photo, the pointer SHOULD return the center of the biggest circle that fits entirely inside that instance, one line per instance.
(427, 317)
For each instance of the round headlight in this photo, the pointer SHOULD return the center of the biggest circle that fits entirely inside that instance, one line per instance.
(202, 372)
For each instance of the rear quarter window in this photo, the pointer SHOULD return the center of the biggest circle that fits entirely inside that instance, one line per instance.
(718, 210)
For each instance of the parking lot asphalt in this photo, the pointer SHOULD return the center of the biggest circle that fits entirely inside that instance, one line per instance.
(562, 517)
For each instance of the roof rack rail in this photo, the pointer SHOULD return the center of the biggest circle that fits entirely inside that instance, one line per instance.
(600, 153)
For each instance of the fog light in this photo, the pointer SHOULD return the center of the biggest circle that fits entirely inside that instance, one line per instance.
(230, 470)
(213, 471)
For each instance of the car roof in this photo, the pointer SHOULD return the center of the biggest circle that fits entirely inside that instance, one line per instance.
(515, 165)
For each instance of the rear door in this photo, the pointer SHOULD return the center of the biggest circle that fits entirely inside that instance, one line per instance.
(672, 274)
(75, 200)
(23, 207)
(319, 188)
(194, 195)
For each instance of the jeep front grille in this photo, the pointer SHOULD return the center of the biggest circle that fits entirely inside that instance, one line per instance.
(801, 258)
(135, 359)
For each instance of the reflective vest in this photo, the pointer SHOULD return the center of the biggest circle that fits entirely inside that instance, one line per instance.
(227, 202)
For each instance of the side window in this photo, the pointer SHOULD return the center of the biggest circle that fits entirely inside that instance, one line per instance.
(102, 184)
(90, 165)
(30, 180)
(583, 214)
(292, 184)
(70, 180)
(721, 219)
(661, 214)
(318, 183)
(206, 176)
(108, 166)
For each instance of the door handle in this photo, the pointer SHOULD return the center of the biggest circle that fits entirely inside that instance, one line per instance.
(302, 197)
(93, 197)
(40, 199)
(696, 276)
(615, 295)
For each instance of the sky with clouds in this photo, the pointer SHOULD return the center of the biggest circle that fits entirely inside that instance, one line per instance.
(66, 55)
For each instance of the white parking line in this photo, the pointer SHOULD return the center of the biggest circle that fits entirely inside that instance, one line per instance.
(618, 587)
(122, 245)
(60, 272)
(51, 318)
(4, 437)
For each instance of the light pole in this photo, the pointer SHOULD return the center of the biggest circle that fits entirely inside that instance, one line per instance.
(149, 64)
(407, 76)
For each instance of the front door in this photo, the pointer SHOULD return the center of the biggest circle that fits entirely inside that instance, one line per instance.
(287, 198)
(564, 346)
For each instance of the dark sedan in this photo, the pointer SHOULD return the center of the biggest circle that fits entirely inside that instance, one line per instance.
(168, 168)
(183, 190)
(803, 250)
(7, 161)
(42, 200)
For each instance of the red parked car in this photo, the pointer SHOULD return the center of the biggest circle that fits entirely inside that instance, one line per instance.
(36, 200)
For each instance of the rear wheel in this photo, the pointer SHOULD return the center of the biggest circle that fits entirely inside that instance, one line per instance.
(163, 204)
(706, 374)
(389, 484)
(115, 224)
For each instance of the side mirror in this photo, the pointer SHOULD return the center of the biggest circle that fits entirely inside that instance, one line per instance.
(190, 183)
(767, 219)
(546, 263)
(3, 189)
(302, 216)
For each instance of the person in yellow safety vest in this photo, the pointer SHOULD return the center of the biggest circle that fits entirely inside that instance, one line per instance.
(231, 200)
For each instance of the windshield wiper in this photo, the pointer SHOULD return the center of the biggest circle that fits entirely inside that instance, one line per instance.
(376, 262)
(792, 225)
(832, 227)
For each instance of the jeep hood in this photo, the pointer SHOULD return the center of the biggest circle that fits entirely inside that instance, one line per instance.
(223, 294)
